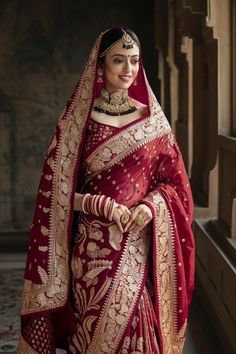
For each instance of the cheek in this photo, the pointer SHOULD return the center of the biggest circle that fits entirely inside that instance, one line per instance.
(111, 70)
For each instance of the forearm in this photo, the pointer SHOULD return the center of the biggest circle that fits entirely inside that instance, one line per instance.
(78, 202)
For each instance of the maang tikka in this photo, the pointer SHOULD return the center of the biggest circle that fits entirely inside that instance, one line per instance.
(127, 40)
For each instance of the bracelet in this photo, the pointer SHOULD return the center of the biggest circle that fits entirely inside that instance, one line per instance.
(101, 204)
(84, 210)
(111, 209)
(105, 210)
(95, 205)
(98, 205)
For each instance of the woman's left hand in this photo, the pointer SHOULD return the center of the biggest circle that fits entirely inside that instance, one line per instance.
(139, 218)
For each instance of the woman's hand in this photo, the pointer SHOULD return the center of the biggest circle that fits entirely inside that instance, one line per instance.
(140, 217)
(118, 213)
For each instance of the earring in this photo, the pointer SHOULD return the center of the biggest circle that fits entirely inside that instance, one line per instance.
(135, 82)
(99, 74)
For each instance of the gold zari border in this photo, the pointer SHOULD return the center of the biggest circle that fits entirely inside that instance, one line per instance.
(166, 277)
(53, 292)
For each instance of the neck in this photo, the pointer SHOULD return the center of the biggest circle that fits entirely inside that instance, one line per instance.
(110, 90)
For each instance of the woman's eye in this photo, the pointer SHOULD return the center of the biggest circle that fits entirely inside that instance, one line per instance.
(135, 62)
(117, 61)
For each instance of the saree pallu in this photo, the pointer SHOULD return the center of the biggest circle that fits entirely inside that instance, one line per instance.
(115, 275)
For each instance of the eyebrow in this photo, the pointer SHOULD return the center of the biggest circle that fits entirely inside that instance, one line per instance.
(122, 55)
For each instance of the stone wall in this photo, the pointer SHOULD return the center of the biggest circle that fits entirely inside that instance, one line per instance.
(44, 46)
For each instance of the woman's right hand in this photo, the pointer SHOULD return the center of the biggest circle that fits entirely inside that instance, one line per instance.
(120, 210)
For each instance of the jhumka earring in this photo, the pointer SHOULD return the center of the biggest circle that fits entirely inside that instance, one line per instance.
(99, 73)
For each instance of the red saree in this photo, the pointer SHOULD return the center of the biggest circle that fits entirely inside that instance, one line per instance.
(128, 293)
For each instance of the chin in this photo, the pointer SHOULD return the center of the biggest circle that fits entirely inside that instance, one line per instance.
(125, 86)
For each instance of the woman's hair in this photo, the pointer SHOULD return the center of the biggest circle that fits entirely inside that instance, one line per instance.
(112, 36)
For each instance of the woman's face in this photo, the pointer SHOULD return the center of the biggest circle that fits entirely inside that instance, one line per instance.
(120, 67)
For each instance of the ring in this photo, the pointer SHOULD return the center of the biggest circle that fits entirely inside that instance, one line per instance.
(139, 220)
(124, 218)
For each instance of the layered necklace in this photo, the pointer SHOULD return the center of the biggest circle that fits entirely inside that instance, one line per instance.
(114, 104)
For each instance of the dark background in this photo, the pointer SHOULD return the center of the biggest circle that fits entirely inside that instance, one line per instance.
(44, 46)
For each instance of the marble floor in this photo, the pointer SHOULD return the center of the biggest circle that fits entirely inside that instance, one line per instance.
(200, 337)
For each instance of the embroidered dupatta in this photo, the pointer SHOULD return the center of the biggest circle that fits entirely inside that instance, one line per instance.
(46, 296)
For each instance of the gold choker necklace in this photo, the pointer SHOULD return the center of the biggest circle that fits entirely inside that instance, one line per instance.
(114, 104)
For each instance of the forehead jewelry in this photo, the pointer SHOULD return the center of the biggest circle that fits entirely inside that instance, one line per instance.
(127, 40)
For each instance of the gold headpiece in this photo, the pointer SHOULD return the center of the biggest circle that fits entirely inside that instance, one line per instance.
(127, 40)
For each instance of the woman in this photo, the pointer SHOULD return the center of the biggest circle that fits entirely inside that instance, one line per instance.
(113, 171)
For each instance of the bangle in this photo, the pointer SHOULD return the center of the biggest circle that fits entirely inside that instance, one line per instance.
(111, 209)
(85, 196)
(105, 210)
(100, 204)
(95, 205)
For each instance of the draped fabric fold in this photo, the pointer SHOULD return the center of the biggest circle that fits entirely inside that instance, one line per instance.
(102, 291)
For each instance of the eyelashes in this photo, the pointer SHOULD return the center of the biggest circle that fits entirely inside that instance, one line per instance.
(120, 61)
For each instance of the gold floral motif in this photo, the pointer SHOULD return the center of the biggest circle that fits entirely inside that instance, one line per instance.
(94, 251)
(44, 230)
(81, 339)
(43, 248)
(46, 194)
(95, 270)
(50, 162)
(122, 294)
(45, 210)
(43, 275)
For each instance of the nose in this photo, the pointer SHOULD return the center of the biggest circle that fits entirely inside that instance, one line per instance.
(127, 66)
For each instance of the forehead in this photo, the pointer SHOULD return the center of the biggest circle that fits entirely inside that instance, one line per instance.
(118, 49)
